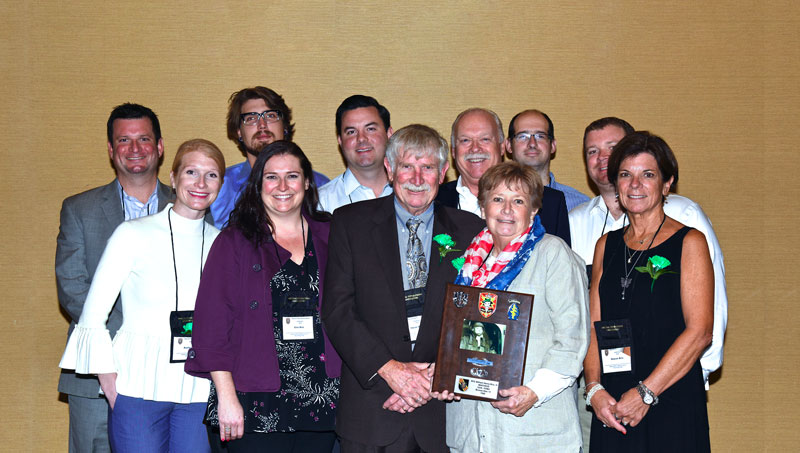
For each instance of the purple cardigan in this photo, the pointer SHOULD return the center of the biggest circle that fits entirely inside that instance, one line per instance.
(232, 328)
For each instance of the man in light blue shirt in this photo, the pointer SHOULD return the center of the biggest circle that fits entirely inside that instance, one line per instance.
(363, 129)
(532, 141)
(257, 117)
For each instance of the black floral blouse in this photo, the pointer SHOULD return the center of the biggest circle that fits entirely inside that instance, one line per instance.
(307, 398)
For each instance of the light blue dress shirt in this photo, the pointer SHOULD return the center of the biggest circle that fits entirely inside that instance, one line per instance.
(573, 196)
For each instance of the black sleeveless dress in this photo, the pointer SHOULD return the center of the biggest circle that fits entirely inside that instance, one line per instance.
(679, 422)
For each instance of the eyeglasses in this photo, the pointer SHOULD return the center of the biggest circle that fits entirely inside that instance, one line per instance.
(537, 136)
(269, 116)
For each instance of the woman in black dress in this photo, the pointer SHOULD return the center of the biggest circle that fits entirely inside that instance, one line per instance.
(651, 305)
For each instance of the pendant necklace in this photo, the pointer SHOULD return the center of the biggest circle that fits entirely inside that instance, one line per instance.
(626, 281)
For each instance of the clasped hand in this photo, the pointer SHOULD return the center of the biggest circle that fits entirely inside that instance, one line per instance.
(410, 382)
(629, 410)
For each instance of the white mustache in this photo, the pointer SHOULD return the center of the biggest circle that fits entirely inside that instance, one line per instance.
(476, 156)
(425, 187)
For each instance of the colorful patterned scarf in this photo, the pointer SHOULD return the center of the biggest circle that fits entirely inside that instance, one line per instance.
(482, 271)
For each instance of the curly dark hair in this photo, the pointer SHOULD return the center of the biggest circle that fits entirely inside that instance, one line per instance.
(250, 217)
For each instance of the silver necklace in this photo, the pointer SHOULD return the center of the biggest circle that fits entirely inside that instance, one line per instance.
(626, 281)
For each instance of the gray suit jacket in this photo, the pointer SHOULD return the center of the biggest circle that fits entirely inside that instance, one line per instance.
(87, 221)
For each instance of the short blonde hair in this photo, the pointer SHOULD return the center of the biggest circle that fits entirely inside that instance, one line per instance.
(514, 175)
(204, 147)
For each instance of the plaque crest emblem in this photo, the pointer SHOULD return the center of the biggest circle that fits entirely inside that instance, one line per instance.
(478, 372)
(463, 384)
(513, 310)
(460, 299)
(487, 304)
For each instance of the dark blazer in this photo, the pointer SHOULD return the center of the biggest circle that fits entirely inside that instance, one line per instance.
(87, 221)
(364, 315)
(554, 214)
(232, 328)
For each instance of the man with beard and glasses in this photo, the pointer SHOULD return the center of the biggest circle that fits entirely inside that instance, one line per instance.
(362, 128)
(532, 142)
(476, 143)
(383, 300)
(257, 117)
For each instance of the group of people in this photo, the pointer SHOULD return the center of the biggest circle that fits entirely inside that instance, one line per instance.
(263, 307)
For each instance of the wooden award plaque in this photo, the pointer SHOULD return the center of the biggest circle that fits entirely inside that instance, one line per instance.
(483, 341)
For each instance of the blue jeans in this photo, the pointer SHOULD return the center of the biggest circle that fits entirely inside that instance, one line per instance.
(137, 425)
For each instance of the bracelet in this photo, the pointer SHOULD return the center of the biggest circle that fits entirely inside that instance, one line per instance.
(586, 387)
(591, 393)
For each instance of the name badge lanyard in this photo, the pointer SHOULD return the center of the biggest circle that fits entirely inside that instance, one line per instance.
(181, 322)
(615, 337)
(293, 326)
(602, 232)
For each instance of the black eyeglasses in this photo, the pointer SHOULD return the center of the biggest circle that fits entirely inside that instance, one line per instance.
(537, 136)
(270, 116)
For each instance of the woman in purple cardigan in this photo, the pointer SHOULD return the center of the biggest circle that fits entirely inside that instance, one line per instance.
(257, 332)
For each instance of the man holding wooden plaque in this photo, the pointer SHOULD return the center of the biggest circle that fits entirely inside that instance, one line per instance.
(383, 300)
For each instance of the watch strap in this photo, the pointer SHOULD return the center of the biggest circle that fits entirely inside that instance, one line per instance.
(644, 391)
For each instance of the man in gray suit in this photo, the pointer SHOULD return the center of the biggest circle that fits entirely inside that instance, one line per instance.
(136, 149)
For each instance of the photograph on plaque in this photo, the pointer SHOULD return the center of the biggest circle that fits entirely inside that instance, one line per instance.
(483, 341)
(482, 336)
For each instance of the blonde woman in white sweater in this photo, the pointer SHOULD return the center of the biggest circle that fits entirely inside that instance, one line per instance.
(155, 264)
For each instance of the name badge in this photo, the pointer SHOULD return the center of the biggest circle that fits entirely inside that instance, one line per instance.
(296, 312)
(180, 325)
(415, 302)
(298, 328)
(615, 343)
(413, 326)
(616, 360)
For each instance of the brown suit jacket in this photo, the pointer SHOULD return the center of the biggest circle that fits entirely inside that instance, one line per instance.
(364, 315)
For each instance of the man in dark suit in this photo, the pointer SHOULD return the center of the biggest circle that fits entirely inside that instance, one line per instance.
(383, 300)
(135, 148)
(476, 143)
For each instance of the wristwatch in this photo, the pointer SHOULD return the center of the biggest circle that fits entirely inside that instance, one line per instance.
(647, 395)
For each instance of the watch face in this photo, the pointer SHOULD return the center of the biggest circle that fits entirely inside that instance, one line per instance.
(648, 399)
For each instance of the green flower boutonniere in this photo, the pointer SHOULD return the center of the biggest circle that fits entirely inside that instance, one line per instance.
(446, 244)
(656, 267)
(458, 263)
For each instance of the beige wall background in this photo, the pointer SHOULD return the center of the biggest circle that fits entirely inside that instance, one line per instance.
(719, 80)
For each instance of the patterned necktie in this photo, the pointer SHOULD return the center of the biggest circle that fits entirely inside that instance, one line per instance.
(415, 257)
